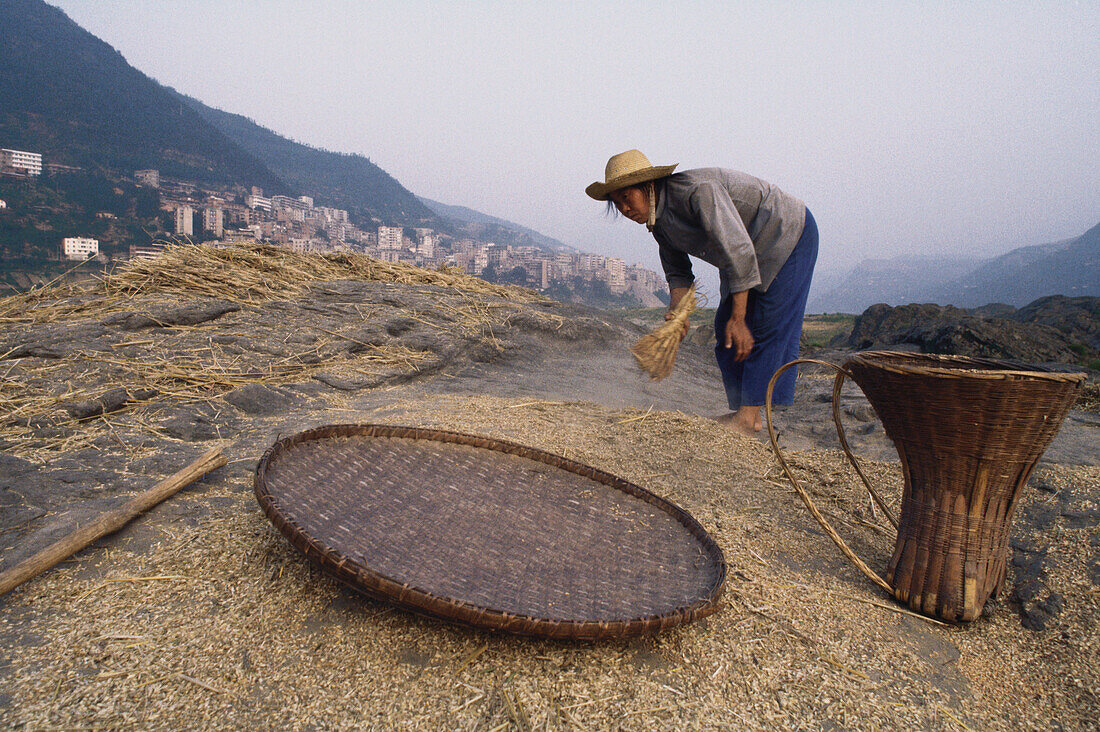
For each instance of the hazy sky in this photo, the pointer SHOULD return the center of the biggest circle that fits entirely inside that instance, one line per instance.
(931, 128)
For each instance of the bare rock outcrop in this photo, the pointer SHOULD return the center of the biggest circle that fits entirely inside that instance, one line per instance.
(946, 329)
(1078, 318)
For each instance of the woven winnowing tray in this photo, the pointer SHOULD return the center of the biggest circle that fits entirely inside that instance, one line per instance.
(489, 533)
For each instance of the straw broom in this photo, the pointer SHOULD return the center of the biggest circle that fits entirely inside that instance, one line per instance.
(656, 352)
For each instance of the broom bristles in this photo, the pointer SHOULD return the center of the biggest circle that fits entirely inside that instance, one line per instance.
(656, 352)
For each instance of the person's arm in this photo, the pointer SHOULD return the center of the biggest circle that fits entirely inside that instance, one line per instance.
(738, 334)
(677, 267)
(731, 248)
(675, 295)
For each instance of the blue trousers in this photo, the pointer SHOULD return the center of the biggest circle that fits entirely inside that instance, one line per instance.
(775, 320)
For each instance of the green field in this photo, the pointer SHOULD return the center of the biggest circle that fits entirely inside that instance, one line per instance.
(819, 330)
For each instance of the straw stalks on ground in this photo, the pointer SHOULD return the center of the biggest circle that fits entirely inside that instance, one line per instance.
(189, 365)
(656, 352)
(247, 273)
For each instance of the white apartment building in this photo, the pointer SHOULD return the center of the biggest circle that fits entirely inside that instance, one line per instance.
(563, 263)
(21, 160)
(336, 232)
(213, 220)
(288, 209)
(390, 237)
(616, 274)
(480, 261)
(257, 201)
(79, 248)
(590, 263)
(643, 277)
(185, 218)
(253, 232)
(475, 260)
(425, 248)
(294, 204)
(151, 251)
(333, 215)
(499, 256)
(540, 272)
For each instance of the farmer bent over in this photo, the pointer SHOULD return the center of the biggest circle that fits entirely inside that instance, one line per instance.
(764, 244)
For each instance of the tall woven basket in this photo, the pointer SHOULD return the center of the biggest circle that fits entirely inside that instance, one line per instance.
(969, 432)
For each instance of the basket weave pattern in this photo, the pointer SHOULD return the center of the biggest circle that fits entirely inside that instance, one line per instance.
(969, 433)
(489, 533)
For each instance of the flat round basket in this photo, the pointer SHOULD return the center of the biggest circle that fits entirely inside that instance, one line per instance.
(489, 533)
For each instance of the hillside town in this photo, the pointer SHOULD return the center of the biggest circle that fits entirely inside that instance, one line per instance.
(298, 223)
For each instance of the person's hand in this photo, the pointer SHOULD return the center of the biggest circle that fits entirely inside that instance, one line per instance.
(687, 325)
(739, 336)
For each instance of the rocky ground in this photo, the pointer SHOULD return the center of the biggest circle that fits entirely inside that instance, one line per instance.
(201, 614)
(1050, 330)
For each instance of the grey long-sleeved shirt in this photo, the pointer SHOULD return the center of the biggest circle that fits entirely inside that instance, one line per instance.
(742, 225)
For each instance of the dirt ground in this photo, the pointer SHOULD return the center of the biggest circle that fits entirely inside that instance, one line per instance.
(200, 614)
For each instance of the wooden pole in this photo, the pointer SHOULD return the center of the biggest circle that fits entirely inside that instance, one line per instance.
(109, 522)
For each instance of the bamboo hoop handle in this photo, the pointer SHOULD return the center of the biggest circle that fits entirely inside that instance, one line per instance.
(837, 385)
(825, 525)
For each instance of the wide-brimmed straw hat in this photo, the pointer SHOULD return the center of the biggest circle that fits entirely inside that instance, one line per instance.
(627, 169)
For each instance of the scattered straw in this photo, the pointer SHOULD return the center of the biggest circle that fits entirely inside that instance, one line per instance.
(196, 682)
(957, 721)
(865, 601)
(264, 625)
(247, 273)
(637, 419)
(472, 657)
(656, 352)
(108, 583)
(193, 365)
(842, 667)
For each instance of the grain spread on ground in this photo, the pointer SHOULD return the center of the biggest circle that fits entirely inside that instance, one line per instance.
(200, 614)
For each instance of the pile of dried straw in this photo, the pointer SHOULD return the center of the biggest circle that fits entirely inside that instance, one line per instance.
(191, 364)
(246, 273)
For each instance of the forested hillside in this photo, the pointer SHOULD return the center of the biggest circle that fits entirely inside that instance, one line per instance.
(71, 97)
(350, 182)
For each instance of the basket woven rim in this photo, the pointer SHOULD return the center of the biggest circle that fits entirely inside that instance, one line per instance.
(953, 366)
(390, 589)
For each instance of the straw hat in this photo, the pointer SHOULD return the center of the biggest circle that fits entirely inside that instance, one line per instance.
(627, 169)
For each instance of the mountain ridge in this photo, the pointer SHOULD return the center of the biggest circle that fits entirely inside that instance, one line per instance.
(108, 117)
(342, 180)
(473, 216)
(1069, 267)
(100, 112)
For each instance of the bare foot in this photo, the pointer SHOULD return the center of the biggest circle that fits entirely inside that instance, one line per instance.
(741, 421)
